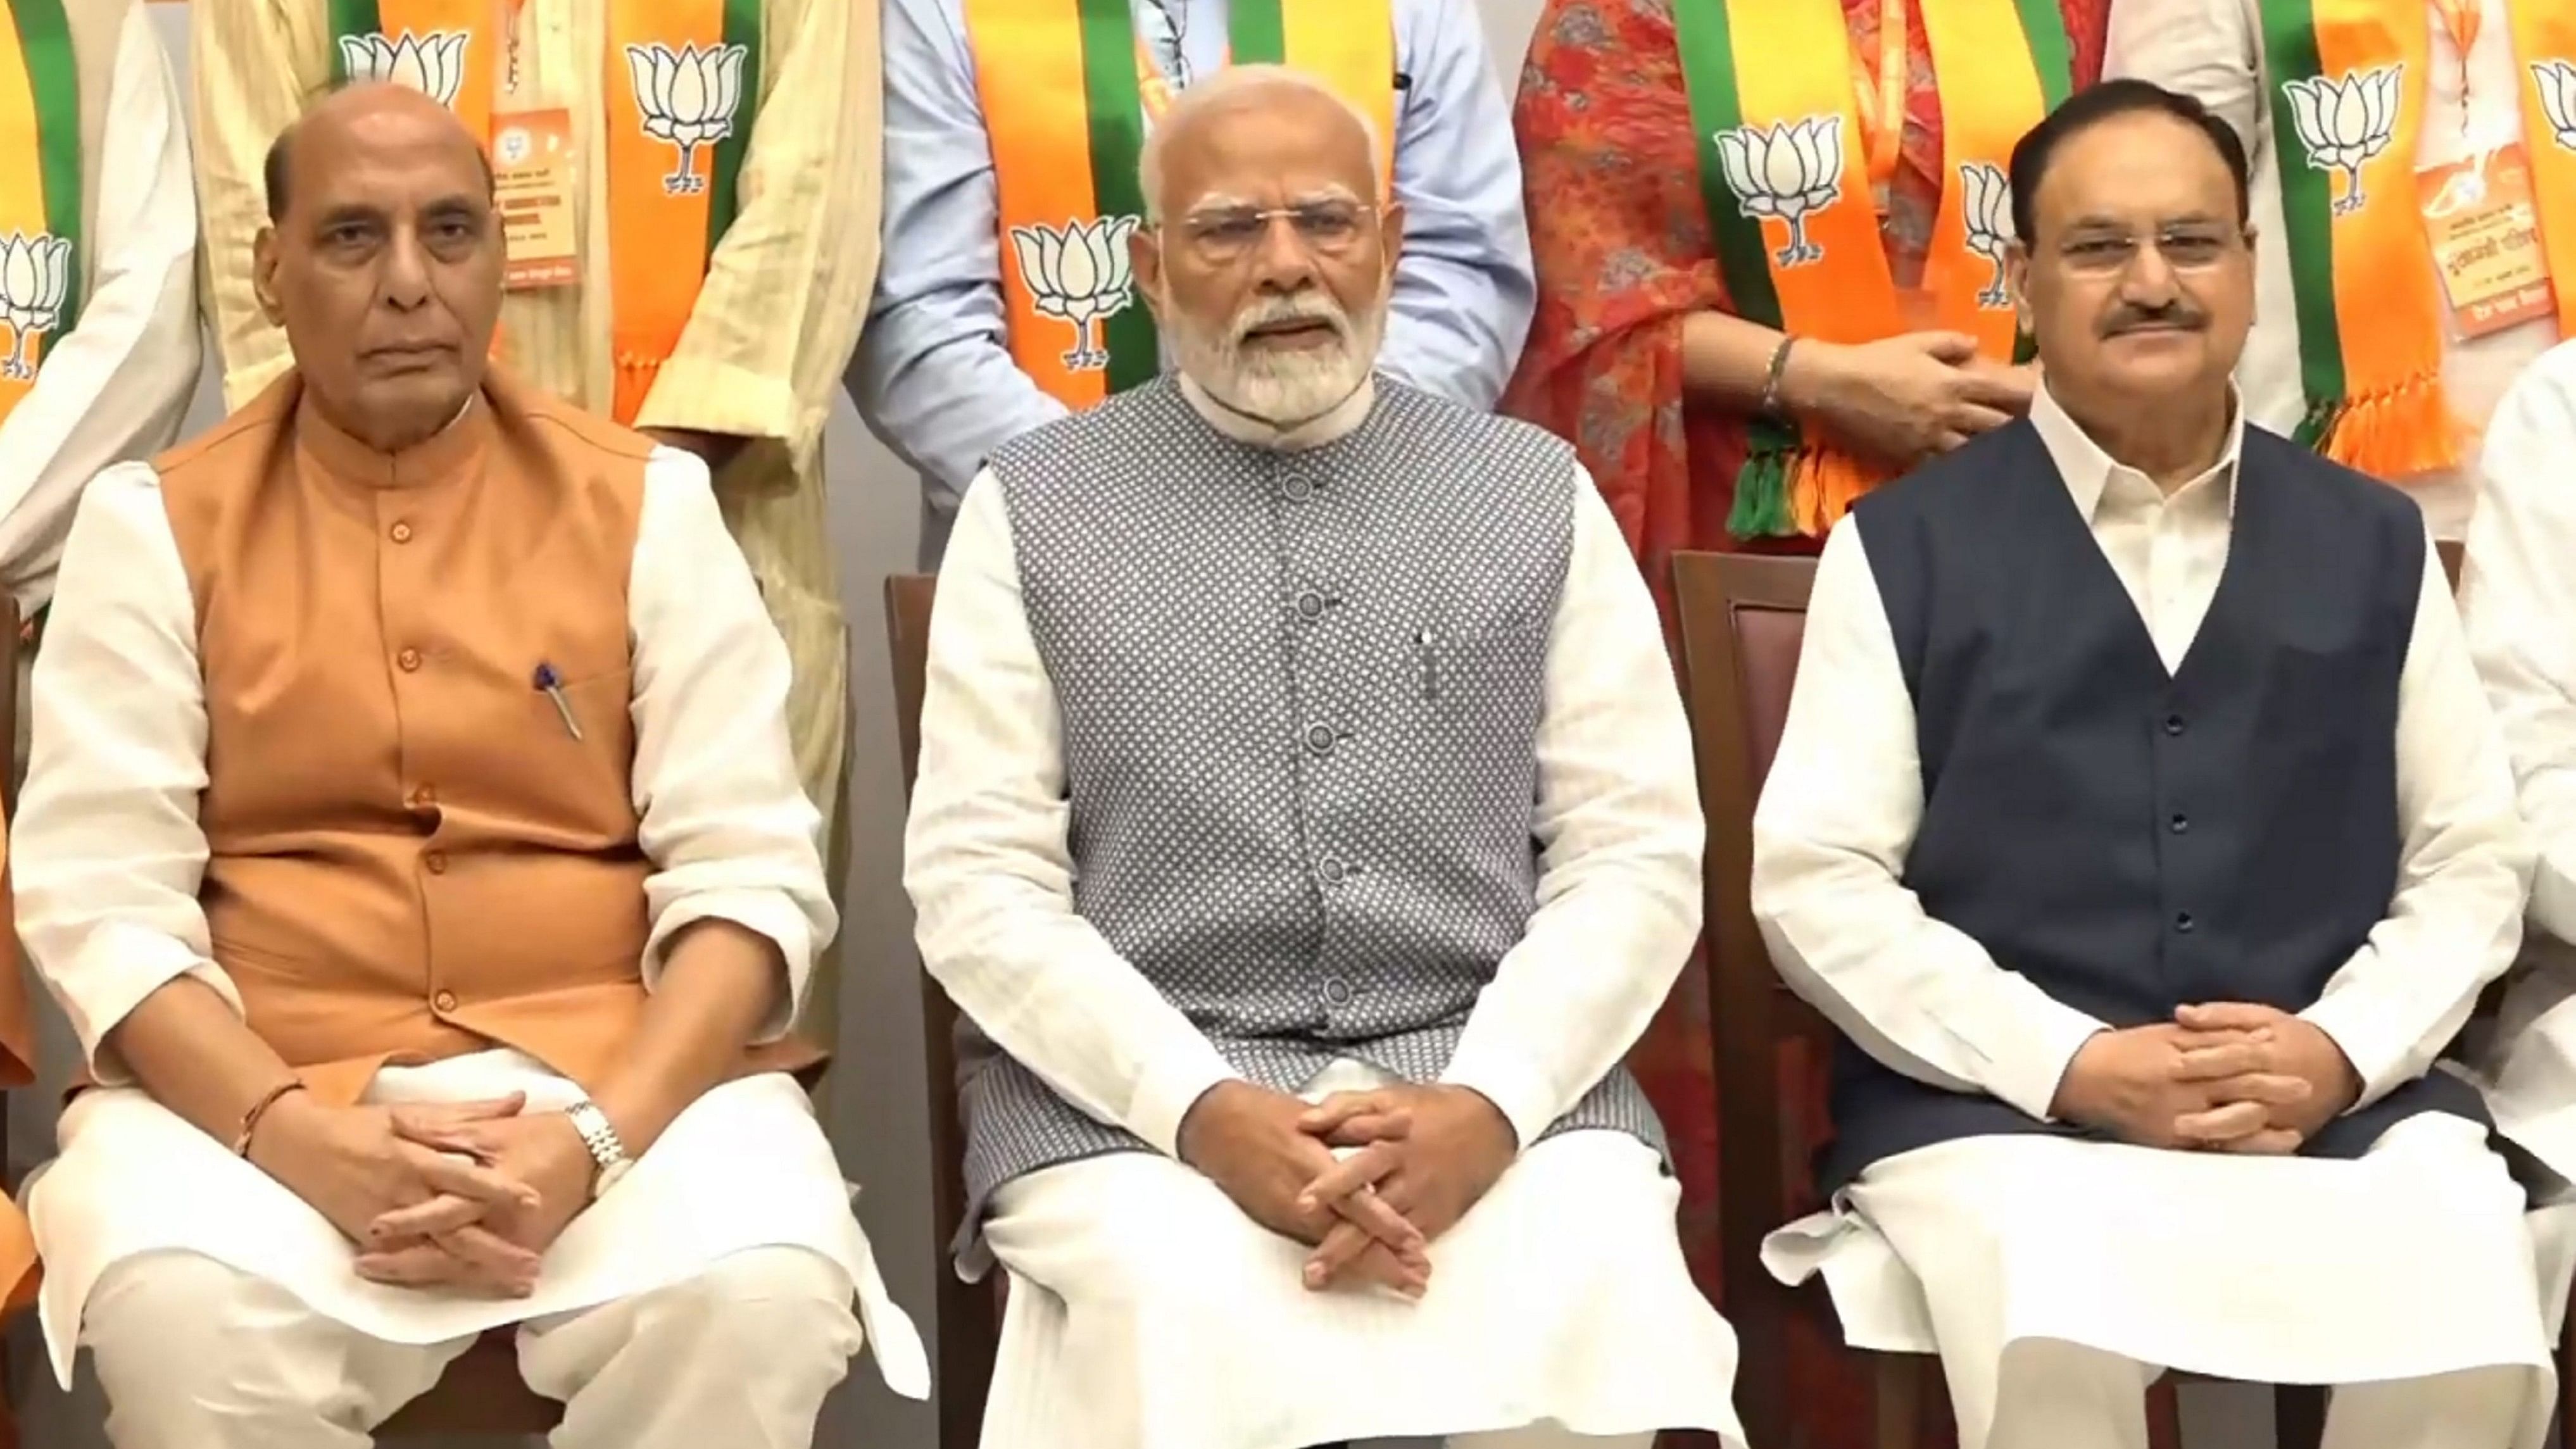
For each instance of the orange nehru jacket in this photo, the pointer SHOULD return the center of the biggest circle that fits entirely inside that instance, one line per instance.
(410, 854)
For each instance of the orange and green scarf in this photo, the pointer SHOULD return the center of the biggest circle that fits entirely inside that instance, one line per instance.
(1069, 194)
(681, 87)
(40, 189)
(2348, 79)
(1796, 230)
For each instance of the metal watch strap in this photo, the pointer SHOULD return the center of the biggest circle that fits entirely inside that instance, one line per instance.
(606, 1147)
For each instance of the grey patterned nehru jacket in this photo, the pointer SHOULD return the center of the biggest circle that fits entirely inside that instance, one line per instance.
(1300, 696)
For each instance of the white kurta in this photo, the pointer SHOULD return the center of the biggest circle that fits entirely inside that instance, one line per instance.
(2518, 603)
(1146, 1312)
(2245, 1268)
(108, 854)
(116, 386)
(2212, 50)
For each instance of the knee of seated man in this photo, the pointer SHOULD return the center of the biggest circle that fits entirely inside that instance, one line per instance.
(169, 1320)
(734, 1302)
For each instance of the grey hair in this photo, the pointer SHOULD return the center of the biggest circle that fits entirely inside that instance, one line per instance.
(1227, 82)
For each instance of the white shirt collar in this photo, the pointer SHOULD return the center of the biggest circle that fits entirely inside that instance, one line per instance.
(2088, 470)
(1315, 432)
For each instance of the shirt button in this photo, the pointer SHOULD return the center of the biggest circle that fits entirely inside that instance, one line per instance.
(399, 533)
(1296, 490)
(435, 862)
(2180, 823)
(1319, 738)
(2182, 922)
(2173, 724)
(1310, 605)
(444, 1001)
(1337, 991)
(1332, 870)
(409, 659)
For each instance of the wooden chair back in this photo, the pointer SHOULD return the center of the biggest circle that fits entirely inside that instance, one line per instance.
(969, 1314)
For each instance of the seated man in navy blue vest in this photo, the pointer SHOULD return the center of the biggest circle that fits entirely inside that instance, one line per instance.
(2140, 823)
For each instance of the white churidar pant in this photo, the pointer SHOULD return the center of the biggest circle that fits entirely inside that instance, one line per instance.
(197, 1355)
(1147, 1312)
(2057, 1278)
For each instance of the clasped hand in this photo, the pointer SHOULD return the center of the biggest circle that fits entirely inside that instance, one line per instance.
(1414, 1160)
(463, 1195)
(2229, 1076)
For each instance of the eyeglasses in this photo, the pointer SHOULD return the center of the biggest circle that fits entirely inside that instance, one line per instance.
(1228, 234)
(2188, 248)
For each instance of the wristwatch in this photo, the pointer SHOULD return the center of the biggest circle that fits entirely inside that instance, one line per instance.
(606, 1147)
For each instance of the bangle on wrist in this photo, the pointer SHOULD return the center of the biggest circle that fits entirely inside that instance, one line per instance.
(1770, 406)
(259, 1109)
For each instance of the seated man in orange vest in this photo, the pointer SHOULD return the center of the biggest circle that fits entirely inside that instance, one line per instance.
(414, 841)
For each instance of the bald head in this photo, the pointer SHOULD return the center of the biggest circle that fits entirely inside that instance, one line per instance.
(363, 104)
(1290, 109)
(383, 261)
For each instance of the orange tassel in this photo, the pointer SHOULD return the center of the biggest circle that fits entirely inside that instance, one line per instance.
(2398, 433)
(1825, 486)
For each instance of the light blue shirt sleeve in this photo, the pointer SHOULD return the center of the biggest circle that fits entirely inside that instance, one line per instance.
(933, 375)
(1465, 288)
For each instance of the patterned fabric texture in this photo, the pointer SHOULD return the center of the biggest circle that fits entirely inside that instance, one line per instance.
(1622, 246)
(1300, 696)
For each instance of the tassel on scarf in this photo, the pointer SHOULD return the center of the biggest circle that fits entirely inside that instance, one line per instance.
(2394, 434)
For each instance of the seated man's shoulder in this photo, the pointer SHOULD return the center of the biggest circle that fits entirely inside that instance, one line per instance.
(231, 452)
(1938, 481)
(1432, 415)
(568, 427)
(2322, 483)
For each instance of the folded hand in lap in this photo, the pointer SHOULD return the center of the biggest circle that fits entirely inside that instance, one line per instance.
(1247, 1140)
(2277, 1045)
(1430, 1153)
(354, 1165)
(542, 1150)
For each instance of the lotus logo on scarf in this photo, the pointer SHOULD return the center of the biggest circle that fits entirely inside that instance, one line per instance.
(1079, 274)
(2344, 124)
(432, 64)
(2556, 81)
(1786, 173)
(687, 97)
(1988, 204)
(34, 273)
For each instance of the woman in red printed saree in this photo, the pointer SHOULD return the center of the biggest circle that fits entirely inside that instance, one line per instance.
(1708, 179)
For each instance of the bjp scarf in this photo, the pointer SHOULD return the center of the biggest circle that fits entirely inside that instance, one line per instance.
(40, 189)
(675, 144)
(1069, 194)
(2347, 94)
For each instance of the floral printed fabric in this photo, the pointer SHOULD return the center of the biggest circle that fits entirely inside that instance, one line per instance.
(1622, 246)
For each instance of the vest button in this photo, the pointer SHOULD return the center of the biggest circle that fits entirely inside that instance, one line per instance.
(1319, 738)
(1337, 991)
(409, 659)
(1310, 605)
(2182, 922)
(2173, 724)
(435, 862)
(2180, 823)
(1296, 490)
(423, 797)
(1332, 870)
(399, 533)
(444, 1001)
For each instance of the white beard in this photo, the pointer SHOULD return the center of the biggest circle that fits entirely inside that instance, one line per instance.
(1280, 387)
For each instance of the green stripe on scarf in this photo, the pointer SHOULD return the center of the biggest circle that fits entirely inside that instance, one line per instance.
(53, 74)
(1115, 102)
(2052, 54)
(1743, 256)
(351, 17)
(1257, 34)
(724, 187)
(2307, 219)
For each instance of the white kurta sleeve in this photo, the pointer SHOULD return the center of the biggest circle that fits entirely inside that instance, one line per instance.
(725, 821)
(991, 875)
(2518, 602)
(115, 387)
(1830, 837)
(2202, 48)
(106, 848)
(2463, 872)
(1620, 834)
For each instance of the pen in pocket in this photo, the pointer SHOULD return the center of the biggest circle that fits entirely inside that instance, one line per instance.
(551, 684)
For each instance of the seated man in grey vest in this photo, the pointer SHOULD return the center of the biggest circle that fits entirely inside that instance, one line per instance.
(1306, 823)
(2141, 825)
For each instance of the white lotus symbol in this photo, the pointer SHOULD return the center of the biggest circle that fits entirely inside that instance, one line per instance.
(432, 64)
(1987, 193)
(687, 97)
(34, 273)
(1787, 172)
(1079, 274)
(2343, 124)
(2556, 81)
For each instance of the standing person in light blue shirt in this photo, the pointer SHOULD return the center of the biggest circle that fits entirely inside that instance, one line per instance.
(940, 374)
